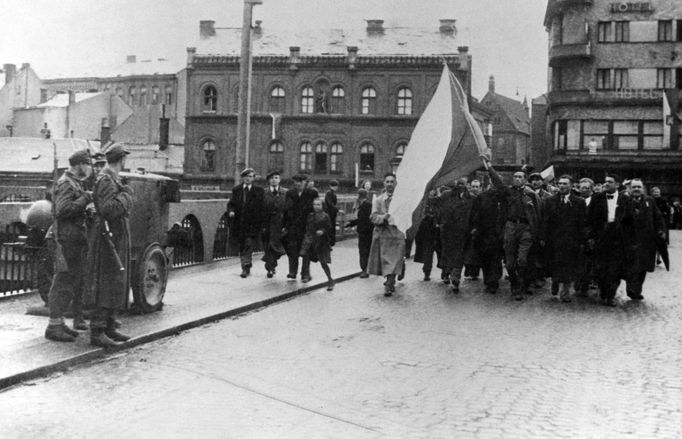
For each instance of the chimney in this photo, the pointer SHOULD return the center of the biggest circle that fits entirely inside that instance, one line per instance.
(206, 29)
(258, 29)
(10, 72)
(375, 27)
(105, 132)
(72, 97)
(191, 51)
(25, 65)
(491, 84)
(130, 59)
(164, 129)
(352, 56)
(294, 54)
(447, 27)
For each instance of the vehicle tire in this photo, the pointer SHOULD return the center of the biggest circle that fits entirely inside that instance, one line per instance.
(150, 278)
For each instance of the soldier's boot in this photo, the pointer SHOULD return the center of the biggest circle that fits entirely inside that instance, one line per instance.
(99, 339)
(113, 334)
(69, 331)
(80, 324)
(57, 333)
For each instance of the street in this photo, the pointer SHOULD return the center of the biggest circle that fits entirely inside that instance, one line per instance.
(354, 364)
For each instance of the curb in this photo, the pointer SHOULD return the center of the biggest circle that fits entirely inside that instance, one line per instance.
(97, 353)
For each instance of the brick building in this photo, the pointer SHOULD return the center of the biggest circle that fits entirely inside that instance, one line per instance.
(615, 71)
(322, 103)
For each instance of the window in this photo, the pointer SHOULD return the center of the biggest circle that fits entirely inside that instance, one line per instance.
(665, 30)
(338, 100)
(679, 30)
(132, 95)
(603, 79)
(368, 101)
(622, 31)
(321, 158)
(155, 95)
(119, 92)
(306, 163)
(336, 158)
(560, 137)
(620, 78)
(276, 162)
(209, 103)
(307, 100)
(277, 100)
(367, 157)
(626, 135)
(597, 130)
(664, 78)
(405, 101)
(399, 153)
(143, 95)
(169, 95)
(208, 155)
(652, 134)
(604, 32)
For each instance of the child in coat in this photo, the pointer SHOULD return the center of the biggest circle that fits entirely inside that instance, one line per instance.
(316, 242)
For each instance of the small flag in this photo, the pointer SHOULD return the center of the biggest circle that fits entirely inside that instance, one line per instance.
(548, 173)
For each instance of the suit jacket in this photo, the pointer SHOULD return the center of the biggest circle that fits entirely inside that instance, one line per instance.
(296, 211)
(248, 209)
(598, 212)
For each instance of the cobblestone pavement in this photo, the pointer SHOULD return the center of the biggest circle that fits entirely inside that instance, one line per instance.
(354, 364)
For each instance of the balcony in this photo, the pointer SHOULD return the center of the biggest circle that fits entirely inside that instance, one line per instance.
(566, 52)
(556, 6)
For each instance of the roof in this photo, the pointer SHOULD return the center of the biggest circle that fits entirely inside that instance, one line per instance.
(108, 69)
(36, 155)
(149, 157)
(62, 99)
(142, 127)
(393, 41)
(518, 115)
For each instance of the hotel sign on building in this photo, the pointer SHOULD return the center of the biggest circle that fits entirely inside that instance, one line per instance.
(631, 7)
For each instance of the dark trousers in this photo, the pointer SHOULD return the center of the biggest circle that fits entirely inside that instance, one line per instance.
(634, 283)
(364, 245)
(587, 273)
(293, 253)
(67, 286)
(102, 318)
(609, 262)
(517, 242)
(246, 251)
(471, 270)
(492, 269)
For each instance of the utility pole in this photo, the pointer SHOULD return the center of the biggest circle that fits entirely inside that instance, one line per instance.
(244, 116)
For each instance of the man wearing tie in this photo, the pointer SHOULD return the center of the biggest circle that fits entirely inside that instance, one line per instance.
(605, 236)
(245, 210)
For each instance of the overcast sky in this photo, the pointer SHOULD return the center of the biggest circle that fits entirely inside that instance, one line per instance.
(506, 37)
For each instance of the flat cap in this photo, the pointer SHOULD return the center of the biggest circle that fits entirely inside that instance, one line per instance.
(98, 157)
(247, 171)
(300, 177)
(535, 176)
(80, 157)
(116, 152)
(333, 183)
(272, 174)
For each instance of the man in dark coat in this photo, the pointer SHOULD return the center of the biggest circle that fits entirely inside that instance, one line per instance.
(665, 208)
(537, 256)
(298, 205)
(330, 206)
(273, 215)
(245, 210)
(487, 223)
(522, 211)
(454, 220)
(643, 226)
(564, 234)
(70, 205)
(427, 239)
(587, 274)
(364, 227)
(113, 202)
(605, 236)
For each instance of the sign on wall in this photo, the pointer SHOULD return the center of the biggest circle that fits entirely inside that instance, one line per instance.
(631, 7)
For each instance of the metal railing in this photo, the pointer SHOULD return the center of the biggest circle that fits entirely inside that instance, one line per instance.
(19, 264)
(193, 252)
(220, 242)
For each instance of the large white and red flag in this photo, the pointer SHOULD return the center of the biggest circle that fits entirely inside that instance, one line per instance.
(446, 144)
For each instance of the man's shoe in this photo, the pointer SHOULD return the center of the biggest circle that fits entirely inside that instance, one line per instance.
(491, 290)
(270, 274)
(364, 275)
(401, 276)
(244, 274)
(69, 331)
(57, 333)
(427, 278)
(454, 288)
(608, 302)
(115, 335)
(330, 285)
(291, 276)
(637, 297)
(101, 340)
(306, 279)
(80, 324)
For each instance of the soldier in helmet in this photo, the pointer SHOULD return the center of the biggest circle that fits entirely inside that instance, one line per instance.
(70, 203)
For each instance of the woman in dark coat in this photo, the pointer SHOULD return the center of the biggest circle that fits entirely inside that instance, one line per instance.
(316, 241)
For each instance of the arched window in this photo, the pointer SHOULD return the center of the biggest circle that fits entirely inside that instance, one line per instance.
(399, 153)
(307, 100)
(367, 157)
(306, 156)
(336, 158)
(156, 95)
(369, 101)
(169, 95)
(277, 100)
(132, 95)
(404, 101)
(210, 99)
(338, 100)
(208, 155)
(143, 95)
(276, 159)
(321, 158)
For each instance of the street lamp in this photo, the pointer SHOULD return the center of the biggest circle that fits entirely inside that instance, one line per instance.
(243, 118)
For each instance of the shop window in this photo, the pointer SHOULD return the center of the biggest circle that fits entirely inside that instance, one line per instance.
(367, 157)
(368, 101)
(652, 135)
(626, 135)
(307, 100)
(597, 130)
(404, 101)
(560, 137)
(306, 158)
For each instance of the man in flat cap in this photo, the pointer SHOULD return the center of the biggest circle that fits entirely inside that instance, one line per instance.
(70, 200)
(273, 212)
(113, 203)
(299, 204)
(245, 211)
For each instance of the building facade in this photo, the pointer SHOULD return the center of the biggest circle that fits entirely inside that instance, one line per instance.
(326, 104)
(615, 74)
(21, 89)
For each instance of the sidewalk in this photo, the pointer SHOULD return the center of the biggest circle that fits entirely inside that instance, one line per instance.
(194, 296)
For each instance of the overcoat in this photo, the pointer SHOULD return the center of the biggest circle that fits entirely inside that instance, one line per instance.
(273, 215)
(248, 213)
(487, 220)
(388, 243)
(427, 239)
(317, 248)
(609, 242)
(642, 221)
(455, 227)
(296, 210)
(113, 201)
(564, 231)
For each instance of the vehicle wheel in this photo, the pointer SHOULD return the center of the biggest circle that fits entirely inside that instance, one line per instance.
(151, 277)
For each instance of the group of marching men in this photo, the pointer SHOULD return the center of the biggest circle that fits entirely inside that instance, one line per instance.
(578, 237)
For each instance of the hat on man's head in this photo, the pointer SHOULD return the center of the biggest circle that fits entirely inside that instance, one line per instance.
(247, 171)
(115, 153)
(80, 157)
(98, 157)
(333, 183)
(535, 176)
(272, 174)
(300, 177)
